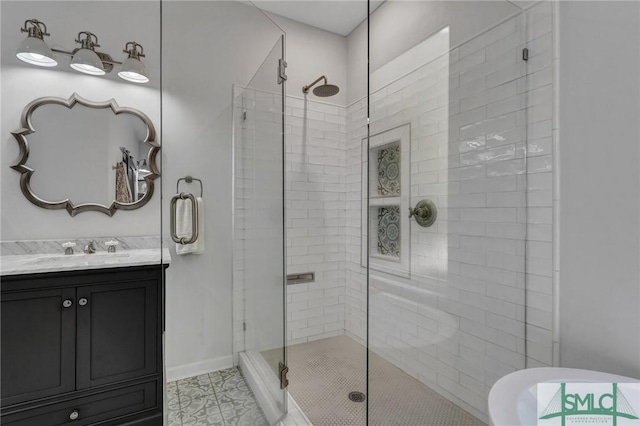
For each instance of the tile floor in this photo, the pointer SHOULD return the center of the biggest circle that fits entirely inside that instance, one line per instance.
(219, 398)
(323, 372)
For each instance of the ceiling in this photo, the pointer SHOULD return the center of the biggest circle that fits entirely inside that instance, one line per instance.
(336, 16)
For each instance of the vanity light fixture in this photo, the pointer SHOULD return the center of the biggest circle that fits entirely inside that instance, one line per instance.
(132, 69)
(33, 50)
(85, 59)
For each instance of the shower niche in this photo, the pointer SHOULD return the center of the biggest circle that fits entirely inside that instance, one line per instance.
(386, 163)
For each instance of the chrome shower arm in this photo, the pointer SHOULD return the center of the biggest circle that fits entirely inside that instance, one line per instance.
(305, 89)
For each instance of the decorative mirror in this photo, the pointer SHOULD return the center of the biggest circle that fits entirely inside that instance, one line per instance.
(91, 156)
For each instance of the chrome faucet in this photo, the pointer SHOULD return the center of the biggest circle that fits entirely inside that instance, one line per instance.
(90, 248)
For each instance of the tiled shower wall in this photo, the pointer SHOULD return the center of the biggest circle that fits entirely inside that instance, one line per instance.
(480, 117)
(315, 218)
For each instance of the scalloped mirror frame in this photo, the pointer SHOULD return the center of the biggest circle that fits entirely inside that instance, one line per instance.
(27, 128)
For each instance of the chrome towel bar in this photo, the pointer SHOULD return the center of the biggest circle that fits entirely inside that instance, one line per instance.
(188, 179)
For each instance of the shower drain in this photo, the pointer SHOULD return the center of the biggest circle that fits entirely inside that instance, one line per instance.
(356, 396)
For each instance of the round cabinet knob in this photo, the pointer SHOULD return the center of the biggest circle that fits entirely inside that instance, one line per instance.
(83, 301)
(67, 303)
(74, 415)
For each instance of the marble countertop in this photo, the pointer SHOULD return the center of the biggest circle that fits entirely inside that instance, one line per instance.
(38, 263)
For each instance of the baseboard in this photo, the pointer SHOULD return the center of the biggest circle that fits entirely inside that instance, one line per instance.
(200, 367)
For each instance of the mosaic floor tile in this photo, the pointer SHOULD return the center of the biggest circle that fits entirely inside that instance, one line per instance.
(229, 382)
(323, 372)
(244, 417)
(202, 382)
(173, 401)
(174, 417)
(207, 413)
(222, 375)
(221, 398)
(236, 400)
(193, 406)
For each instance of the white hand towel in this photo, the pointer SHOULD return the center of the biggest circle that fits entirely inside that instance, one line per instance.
(183, 226)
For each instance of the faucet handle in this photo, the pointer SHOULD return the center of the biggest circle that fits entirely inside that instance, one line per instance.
(111, 245)
(90, 248)
(68, 247)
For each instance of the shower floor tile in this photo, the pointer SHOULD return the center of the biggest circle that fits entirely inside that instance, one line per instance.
(323, 372)
(219, 398)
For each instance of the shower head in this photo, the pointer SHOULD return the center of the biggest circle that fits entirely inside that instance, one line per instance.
(324, 90)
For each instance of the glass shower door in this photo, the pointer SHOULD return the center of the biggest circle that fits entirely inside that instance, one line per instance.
(447, 227)
(259, 269)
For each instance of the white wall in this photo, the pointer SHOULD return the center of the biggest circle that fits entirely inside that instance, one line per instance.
(230, 40)
(312, 52)
(114, 24)
(397, 26)
(197, 118)
(599, 186)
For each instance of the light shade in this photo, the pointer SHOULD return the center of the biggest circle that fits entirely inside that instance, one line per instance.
(133, 70)
(35, 51)
(88, 62)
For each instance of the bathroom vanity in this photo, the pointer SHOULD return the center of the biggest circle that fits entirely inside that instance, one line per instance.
(83, 346)
(81, 338)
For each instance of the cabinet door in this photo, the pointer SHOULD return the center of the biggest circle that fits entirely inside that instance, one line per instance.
(38, 344)
(117, 332)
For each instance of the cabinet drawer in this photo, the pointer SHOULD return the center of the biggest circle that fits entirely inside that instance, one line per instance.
(111, 404)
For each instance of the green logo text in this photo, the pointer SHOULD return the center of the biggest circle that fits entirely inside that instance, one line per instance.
(564, 404)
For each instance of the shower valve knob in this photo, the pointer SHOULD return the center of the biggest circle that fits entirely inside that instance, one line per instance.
(425, 213)
(418, 212)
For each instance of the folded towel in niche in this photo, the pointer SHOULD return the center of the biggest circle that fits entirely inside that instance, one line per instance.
(183, 226)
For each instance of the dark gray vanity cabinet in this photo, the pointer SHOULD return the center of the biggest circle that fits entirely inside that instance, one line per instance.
(38, 344)
(83, 347)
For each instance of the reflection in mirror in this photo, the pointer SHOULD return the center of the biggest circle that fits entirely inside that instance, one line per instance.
(105, 155)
